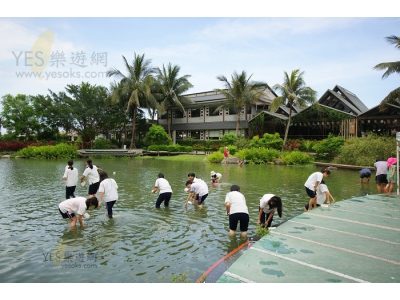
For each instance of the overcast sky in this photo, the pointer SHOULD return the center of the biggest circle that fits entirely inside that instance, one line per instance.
(331, 50)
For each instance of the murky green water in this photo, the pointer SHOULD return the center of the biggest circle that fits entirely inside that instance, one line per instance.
(141, 244)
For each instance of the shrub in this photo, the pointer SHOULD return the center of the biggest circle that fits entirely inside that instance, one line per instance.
(229, 138)
(267, 141)
(306, 145)
(365, 150)
(157, 136)
(49, 152)
(296, 158)
(331, 145)
(258, 156)
(170, 148)
(101, 143)
(232, 150)
(215, 157)
(15, 146)
(242, 143)
(291, 145)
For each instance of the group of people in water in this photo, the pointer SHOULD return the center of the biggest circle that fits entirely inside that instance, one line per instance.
(102, 188)
(385, 179)
(74, 208)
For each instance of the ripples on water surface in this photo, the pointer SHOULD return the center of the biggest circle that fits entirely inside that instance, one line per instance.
(141, 244)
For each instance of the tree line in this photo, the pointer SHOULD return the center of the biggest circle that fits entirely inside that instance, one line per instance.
(90, 109)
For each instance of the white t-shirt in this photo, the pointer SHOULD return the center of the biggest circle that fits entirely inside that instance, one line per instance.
(75, 206)
(217, 175)
(264, 201)
(321, 196)
(92, 174)
(312, 179)
(199, 187)
(163, 185)
(237, 201)
(71, 176)
(109, 187)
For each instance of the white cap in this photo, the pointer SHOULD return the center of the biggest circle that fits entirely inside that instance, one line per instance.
(212, 173)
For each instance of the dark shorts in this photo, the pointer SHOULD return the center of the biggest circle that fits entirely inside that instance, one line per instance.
(382, 178)
(311, 193)
(243, 218)
(93, 188)
(200, 199)
(67, 215)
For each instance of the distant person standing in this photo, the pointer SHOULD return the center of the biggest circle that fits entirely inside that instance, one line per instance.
(391, 174)
(311, 186)
(165, 191)
(236, 209)
(381, 169)
(93, 177)
(365, 173)
(269, 204)
(108, 190)
(71, 175)
(226, 155)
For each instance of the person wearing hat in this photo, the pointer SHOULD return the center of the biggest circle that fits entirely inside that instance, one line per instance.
(215, 177)
(391, 174)
(381, 175)
(365, 173)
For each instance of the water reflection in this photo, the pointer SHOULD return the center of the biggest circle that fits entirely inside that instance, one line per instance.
(141, 243)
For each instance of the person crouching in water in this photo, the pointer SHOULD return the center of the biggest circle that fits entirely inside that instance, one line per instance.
(108, 190)
(75, 208)
(269, 204)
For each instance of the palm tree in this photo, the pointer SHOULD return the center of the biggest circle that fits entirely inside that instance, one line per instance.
(171, 88)
(137, 85)
(391, 67)
(240, 93)
(122, 100)
(293, 92)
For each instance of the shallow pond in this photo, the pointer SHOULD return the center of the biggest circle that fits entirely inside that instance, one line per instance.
(142, 243)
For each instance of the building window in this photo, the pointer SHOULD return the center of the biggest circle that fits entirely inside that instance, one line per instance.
(181, 135)
(195, 134)
(214, 134)
(179, 114)
(194, 113)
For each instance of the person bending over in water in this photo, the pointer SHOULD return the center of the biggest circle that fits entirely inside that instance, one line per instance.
(269, 204)
(75, 208)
